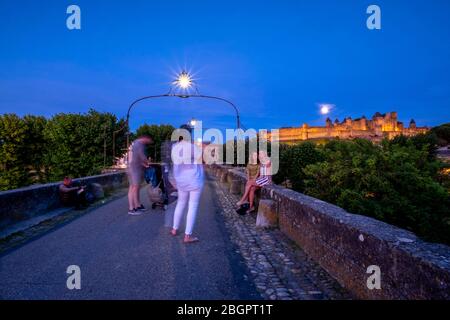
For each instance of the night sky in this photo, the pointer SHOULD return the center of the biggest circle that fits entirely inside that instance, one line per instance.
(277, 60)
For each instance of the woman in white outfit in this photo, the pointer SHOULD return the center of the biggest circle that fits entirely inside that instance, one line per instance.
(189, 177)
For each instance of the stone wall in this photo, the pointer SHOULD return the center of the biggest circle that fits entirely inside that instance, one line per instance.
(22, 204)
(346, 244)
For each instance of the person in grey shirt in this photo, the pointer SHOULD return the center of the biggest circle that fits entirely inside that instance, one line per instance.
(137, 162)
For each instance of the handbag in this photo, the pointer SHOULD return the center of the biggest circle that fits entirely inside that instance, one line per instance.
(243, 209)
(262, 181)
(155, 193)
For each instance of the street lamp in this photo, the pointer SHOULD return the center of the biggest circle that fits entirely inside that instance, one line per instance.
(183, 81)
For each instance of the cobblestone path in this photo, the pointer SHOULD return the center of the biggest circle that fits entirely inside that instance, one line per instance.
(280, 269)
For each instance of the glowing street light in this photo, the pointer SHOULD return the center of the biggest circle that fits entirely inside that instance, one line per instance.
(184, 80)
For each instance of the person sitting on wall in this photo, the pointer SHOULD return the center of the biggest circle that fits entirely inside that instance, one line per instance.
(72, 194)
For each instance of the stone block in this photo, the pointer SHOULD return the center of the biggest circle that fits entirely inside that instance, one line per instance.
(97, 190)
(223, 176)
(267, 214)
(235, 186)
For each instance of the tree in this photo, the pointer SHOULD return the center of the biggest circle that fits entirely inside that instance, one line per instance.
(76, 143)
(13, 172)
(35, 148)
(159, 133)
(443, 133)
(393, 182)
(293, 158)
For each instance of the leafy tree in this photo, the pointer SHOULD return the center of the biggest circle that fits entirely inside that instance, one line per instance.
(35, 147)
(159, 133)
(77, 143)
(13, 172)
(393, 182)
(442, 132)
(293, 158)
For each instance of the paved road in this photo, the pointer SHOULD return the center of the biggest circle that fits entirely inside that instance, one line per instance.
(126, 257)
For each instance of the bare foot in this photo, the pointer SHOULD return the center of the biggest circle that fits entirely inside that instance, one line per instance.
(173, 232)
(190, 239)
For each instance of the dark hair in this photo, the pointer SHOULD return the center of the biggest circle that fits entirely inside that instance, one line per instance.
(180, 138)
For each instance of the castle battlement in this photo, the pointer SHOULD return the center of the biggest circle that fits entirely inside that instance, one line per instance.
(380, 126)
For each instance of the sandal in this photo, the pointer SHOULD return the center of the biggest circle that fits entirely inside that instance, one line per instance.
(190, 239)
(251, 210)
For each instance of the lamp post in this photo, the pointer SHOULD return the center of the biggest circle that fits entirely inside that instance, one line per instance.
(184, 82)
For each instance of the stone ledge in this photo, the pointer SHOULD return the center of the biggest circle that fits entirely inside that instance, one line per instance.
(26, 203)
(267, 215)
(345, 244)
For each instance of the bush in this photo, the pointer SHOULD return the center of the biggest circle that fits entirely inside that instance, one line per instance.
(293, 158)
(159, 133)
(394, 182)
(36, 150)
(442, 132)
(75, 143)
(21, 150)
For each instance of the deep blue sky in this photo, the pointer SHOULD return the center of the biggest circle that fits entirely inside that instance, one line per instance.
(275, 59)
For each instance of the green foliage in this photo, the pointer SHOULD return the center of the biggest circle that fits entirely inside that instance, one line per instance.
(428, 140)
(13, 131)
(159, 133)
(34, 149)
(35, 146)
(21, 148)
(442, 132)
(293, 158)
(394, 182)
(76, 143)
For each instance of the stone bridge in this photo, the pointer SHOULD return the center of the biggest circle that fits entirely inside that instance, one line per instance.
(295, 247)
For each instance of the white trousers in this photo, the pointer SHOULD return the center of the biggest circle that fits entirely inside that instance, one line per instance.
(185, 197)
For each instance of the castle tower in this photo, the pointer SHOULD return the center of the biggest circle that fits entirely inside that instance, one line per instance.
(348, 121)
(363, 123)
(328, 122)
(394, 115)
(305, 131)
(412, 124)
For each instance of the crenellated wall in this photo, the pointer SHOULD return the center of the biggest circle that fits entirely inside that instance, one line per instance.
(379, 127)
(346, 244)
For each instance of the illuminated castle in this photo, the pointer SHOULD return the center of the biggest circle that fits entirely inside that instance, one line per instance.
(379, 127)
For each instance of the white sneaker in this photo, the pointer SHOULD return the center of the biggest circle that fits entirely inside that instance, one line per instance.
(134, 212)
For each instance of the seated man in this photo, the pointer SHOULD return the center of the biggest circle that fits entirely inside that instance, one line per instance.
(72, 195)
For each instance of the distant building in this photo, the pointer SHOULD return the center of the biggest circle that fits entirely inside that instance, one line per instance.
(379, 127)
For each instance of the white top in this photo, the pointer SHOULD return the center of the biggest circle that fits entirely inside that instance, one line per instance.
(187, 166)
